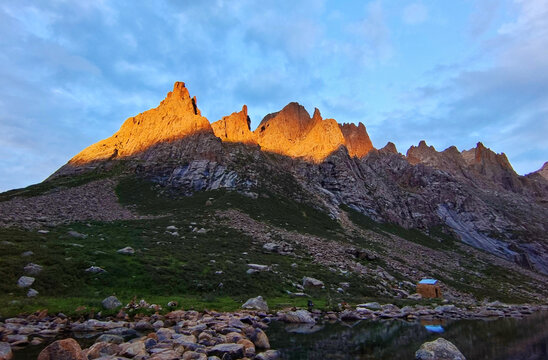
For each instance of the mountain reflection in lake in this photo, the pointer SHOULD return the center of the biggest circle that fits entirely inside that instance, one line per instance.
(499, 339)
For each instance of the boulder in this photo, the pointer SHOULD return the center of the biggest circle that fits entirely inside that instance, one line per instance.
(258, 267)
(102, 349)
(371, 306)
(17, 339)
(126, 251)
(111, 303)
(273, 247)
(249, 347)
(260, 339)
(66, 349)
(299, 316)
(439, 349)
(311, 282)
(77, 235)
(143, 325)
(95, 270)
(110, 338)
(25, 281)
(268, 355)
(256, 303)
(33, 269)
(133, 349)
(193, 355)
(233, 351)
(32, 293)
(5, 351)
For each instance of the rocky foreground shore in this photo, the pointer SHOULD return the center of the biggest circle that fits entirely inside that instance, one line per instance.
(205, 335)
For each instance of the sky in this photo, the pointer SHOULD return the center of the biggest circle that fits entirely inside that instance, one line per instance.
(449, 72)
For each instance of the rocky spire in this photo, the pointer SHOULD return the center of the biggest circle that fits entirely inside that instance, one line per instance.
(176, 117)
(356, 139)
(484, 158)
(235, 128)
(293, 132)
(421, 153)
(390, 147)
(543, 171)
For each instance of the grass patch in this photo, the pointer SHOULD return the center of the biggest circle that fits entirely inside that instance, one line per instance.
(64, 182)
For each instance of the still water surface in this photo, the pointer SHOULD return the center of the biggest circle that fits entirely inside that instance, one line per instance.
(498, 339)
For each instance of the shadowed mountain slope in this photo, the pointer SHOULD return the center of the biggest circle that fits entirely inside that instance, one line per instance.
(474, 195)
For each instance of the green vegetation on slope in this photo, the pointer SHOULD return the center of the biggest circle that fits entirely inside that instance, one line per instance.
(197, 269)
(64, 182)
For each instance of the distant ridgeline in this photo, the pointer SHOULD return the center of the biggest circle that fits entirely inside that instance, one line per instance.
(317, 161)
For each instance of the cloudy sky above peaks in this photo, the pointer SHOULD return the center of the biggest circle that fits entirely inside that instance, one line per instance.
(449, 72)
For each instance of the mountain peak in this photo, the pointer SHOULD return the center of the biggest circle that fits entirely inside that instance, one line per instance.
(176, 117)
(543, 171)
(390, 147)
(235, 128)
(421, 153)
(356, 139)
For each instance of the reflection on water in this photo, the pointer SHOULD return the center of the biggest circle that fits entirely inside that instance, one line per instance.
(434, 326)
(500, 339)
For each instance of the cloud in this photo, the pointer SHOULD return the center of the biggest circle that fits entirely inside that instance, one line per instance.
(503, 104)
(73, 71)
(372, 37)
(483, 16)
(415, 13)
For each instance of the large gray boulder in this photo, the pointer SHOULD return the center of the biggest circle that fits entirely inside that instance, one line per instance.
(311, 282)
(299, 316)
(439, 349)
(111, 303)
(25, 281)
(126, 251)
(256, 303)
(268, 355)
(231, 351)
(95, 270)
(33, 269)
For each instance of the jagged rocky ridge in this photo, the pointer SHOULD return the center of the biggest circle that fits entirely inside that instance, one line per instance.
(475, 193)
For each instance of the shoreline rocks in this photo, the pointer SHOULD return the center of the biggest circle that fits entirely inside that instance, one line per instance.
(194, 335)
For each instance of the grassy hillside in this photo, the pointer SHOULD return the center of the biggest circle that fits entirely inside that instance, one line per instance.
(206, 268)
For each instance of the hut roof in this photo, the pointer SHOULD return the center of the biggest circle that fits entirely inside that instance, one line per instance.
(428, 281)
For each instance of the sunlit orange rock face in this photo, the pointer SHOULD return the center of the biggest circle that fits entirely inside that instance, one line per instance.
(356, 139)
(177, 116)
(291, 131)
(279, 132)
(294, 133)
(235, 128)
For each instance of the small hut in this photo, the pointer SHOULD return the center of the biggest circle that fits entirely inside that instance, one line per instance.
(429, 288)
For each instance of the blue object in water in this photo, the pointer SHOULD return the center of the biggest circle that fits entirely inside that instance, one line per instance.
(434, 328)
(428, 281)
